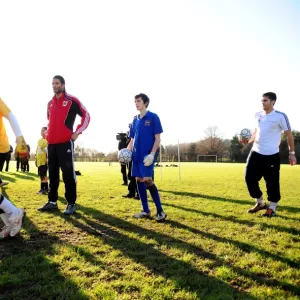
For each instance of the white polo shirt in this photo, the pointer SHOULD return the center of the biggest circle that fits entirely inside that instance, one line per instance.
(269, 128)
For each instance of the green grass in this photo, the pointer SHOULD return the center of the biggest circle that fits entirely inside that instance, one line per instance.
(209, 247)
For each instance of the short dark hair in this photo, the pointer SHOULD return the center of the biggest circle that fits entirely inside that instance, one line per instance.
(144, 97)
(270, 95)
(60, 78)
(45, 128)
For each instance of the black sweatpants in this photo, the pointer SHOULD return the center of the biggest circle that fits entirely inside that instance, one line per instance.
(8, 157)
(18, 163)
(24, 164)
(267, 166)
(123, 171)
(132, 187)
(3, 157)
(61, 156)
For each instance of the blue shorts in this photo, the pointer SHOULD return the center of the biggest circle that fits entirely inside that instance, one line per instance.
(139, 170)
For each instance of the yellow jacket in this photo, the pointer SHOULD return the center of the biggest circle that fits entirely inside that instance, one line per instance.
(21, 151)
(41, 152)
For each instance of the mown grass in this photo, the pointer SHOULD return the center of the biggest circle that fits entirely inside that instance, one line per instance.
(209, 247)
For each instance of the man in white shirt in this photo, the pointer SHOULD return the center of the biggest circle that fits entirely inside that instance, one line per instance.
(264, 159)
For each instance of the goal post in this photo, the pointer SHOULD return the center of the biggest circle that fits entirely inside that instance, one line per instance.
(207, 158)
(173, 158)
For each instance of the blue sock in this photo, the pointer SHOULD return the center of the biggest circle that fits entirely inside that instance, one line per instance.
(143, 196)
(155, 196)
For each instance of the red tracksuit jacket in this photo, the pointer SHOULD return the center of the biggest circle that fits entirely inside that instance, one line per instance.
(61, 114)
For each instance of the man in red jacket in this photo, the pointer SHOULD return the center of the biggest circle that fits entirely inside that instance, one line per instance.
(61, 113)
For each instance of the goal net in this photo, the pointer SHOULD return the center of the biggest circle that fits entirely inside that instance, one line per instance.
(207, 158)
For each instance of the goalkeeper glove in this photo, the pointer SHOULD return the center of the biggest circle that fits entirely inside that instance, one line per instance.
(148, 160)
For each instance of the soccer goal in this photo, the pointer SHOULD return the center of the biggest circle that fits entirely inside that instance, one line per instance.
(207, 158)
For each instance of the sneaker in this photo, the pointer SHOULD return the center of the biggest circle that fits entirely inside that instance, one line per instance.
(5, 232)
(161, 217)
(70, 209)
(48, 206)
(128, 196)
(40, 192)
(269, 213)
(3, 183)
(257, 207)
(16, 222)
(142, 214)
(124, 183)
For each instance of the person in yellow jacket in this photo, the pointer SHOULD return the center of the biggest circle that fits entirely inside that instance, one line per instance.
(11, 216)
(41, 161)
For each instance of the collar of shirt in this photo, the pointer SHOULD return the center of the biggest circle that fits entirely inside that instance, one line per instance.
(62, 97)
(269, 114)
(146, 115)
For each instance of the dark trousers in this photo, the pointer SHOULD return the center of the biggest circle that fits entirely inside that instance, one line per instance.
(24, 165)
(3, 157)
(267, 166)
(7, 162)
(61, 156)
(18, 163)
(123, 171)
(27, 166)
(132, 187)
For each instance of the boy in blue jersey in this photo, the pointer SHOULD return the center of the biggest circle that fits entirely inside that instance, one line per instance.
(145, 139)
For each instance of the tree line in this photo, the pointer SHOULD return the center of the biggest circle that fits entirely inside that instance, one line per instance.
(226, 150)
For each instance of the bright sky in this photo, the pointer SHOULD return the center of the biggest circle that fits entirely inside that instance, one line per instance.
(202, 63)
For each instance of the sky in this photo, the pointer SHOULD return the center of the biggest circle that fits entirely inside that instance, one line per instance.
(202, 63)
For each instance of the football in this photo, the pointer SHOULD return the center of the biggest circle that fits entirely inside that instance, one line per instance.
(246, 133)
(125, 156)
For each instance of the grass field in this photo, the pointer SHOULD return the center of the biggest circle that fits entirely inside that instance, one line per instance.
(209, 247)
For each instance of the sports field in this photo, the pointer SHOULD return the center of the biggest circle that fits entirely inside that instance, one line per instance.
(208, 248)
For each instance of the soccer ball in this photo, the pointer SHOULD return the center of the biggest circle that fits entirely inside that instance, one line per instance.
(246, 133)
(125, 156)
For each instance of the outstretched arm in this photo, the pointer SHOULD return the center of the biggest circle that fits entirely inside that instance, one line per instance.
(6, 113)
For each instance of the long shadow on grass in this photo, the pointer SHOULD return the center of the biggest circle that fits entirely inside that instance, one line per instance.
(7, 178)
(40, 279)
(235, 219)
(32, 174)
(263, 279)
(183, 274)
(25, 176)
(26, 273)
(186, 276)
(222, 199)
(241, 245)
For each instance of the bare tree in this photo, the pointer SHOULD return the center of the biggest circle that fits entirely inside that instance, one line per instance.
(112, 156)
(213, 143)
